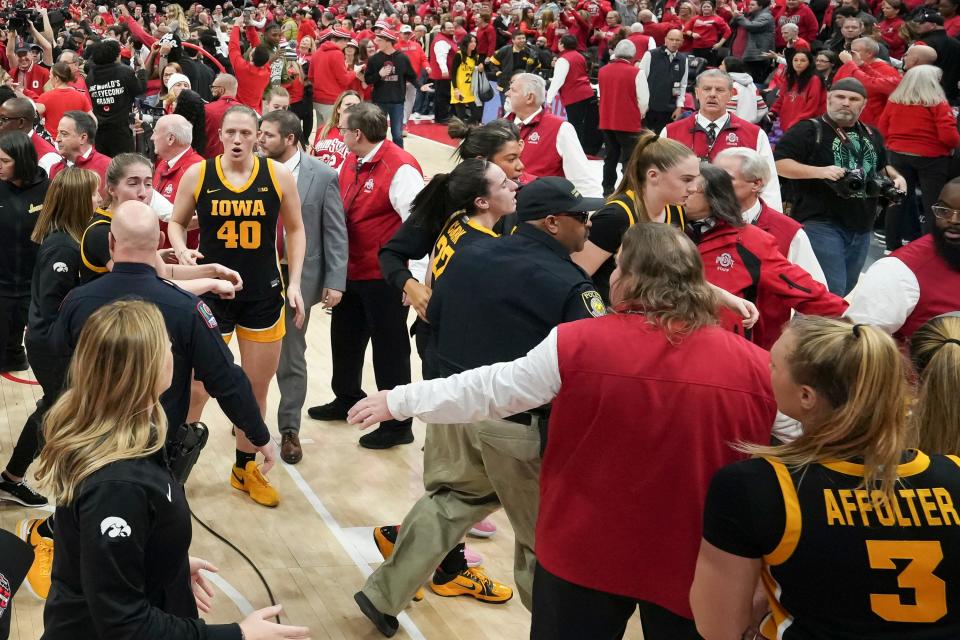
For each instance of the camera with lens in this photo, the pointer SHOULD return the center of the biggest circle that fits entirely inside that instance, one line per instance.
(19, 18)
(147, 113)
(856, 184)
(851, 185)
(882, 187)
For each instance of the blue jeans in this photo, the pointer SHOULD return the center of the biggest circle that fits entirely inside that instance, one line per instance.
(841, 253)
(394, 111)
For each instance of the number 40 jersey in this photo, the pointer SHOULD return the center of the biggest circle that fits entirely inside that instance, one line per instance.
(838, 562)
(238, 225)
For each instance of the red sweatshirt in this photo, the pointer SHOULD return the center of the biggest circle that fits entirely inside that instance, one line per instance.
(879, 78)
(794, 105)
(329, 73)
(251, 80)
(929, 132)
(803, 17)
(709, 28)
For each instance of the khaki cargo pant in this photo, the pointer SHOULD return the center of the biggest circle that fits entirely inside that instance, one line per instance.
(469, 471)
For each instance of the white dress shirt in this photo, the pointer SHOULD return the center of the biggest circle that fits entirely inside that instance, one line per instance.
(404, 187)
(800, 252)
(560, 69)
(440, 50)
(576, 167)
(771, 190)
(885, 296)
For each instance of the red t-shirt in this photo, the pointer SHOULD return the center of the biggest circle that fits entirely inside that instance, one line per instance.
(58, 101)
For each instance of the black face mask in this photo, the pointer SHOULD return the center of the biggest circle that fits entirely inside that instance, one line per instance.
(946, 249)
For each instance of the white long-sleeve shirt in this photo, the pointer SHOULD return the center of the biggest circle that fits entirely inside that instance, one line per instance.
(560, 69)
(800, 252)
(885, 296)
(645, 72)
(440, 50)
(576, 167)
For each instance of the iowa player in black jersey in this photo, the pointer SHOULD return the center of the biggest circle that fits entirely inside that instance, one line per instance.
(238, 199)
(852, 534)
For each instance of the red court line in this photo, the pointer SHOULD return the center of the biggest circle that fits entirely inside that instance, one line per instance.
(13, 378)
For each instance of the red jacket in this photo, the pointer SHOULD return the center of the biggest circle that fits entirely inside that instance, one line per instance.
(94, 161)
(540, 156)
(879, 78)
(773, 315)
(214, 112)
(252, 81)
(371, 218)
(618, 97)
(638, 429)
(709, 28)
(747, 262)
(795, 105)
(32, 81)
(803, 17)
(414, 52)
(939, 284)
(486, 41)
(328, 70)
(890, 32)
(919, 130)
(166, 181)
(736, 133)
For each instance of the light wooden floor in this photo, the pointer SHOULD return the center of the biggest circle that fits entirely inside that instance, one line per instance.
(315, 548)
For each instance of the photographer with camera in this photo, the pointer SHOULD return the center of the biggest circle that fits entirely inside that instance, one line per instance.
(843, 166)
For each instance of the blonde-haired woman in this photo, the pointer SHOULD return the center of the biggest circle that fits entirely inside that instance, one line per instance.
(935, 351)
(123, 522)
(177, 20)
(920, 131)
(68, 206)
(846, 527)
(328, 143)
(606, 477)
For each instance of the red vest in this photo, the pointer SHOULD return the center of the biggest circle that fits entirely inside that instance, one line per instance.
(436, 73)
(618, 97)
(939, 284)
(576, 87)
(539, 155)
(736, 133)
(371, 218)
(773, 315)
(96, 162)
(166, 180)
(636, 433)
(642, 43)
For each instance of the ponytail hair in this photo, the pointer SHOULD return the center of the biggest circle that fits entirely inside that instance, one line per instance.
(448, 193)
(935, 350)
(650, 151)
(860, 373)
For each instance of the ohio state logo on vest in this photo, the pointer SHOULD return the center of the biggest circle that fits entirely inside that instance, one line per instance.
(534, 138)
(368, 185)
(724, 262)
(168, 190)
(732, 138)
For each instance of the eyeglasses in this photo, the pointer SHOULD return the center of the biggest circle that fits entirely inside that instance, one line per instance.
(945, 213)
(344, 130)
(579, 216)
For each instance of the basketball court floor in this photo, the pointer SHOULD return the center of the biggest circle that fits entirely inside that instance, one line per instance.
(316, 547)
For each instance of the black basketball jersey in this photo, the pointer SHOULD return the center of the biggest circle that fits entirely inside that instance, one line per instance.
(95, 246)
(847, 568)
(459, 231)
(238, 225)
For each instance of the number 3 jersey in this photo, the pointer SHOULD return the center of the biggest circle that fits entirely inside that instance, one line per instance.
(836, 564)
(238, 225)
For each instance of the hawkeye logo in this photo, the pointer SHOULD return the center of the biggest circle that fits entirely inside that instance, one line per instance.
(114, 527)
(60, 267)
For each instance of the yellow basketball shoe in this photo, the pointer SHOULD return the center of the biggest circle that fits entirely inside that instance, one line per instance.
(38, 578)
(472, 581)
(385, 538)
(255, 484)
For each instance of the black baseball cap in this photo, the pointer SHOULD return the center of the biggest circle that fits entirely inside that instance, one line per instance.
(927, 14)
(550, 196)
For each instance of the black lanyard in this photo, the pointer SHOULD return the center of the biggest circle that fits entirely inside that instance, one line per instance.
(859, 154)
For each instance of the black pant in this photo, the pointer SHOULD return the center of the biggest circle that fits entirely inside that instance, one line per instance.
(50, 372)
(304, 111)
(620, 145)
(371, 310)
(580, 115)
(656, 120)
(563, 610)
(13, 318)
(114, 141)
(441, 111)
(470, 113)
(930, 174)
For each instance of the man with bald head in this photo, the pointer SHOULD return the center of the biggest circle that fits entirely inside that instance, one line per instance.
(224, 92)
(198, 349)
(919, 54)
(19, 114)
(665, 70)
(172, 139)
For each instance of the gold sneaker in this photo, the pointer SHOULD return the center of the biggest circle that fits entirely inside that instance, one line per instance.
(38, 578)
(385, 538)
(473, 581)
(255, 484)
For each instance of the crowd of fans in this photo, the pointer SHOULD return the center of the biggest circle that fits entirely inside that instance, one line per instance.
(775, 224)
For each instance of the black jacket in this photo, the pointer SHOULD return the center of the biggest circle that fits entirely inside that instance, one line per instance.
(56, 273)
(121, 571)
(506, 63)
(19, 209)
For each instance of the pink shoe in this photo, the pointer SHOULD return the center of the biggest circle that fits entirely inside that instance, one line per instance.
(483, 529)
(474, 559)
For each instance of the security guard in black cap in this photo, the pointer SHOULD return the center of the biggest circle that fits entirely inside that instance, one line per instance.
(496, 301)
(198, 348)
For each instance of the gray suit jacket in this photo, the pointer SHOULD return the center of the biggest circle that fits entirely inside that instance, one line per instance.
(325, 262)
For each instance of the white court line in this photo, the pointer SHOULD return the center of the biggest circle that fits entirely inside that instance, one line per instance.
(230, 591)
(408, 625)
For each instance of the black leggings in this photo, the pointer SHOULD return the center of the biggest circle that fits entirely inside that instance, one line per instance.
(50, 372)
(566, 611)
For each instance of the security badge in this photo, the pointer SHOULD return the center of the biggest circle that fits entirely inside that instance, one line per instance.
(594, 303)
(207, 315)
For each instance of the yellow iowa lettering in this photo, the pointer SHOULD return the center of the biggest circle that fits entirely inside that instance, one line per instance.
(238, 208)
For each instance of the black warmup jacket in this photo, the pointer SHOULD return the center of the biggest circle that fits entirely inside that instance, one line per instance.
(19, 209)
